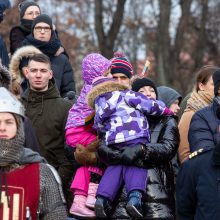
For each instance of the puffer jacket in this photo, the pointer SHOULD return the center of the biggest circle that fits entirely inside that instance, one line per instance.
(159, 202)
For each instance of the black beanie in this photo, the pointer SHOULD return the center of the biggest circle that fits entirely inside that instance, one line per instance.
(139, 83)
(216, 81)
(25, 5)
(42, 18)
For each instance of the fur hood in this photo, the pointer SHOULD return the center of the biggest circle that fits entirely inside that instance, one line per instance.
(26, 51)
(103, 88)
(5, 77)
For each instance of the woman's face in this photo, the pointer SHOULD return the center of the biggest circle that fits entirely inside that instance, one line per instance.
(31, 12)
(8, 126)
(208, 87)
(148, 91)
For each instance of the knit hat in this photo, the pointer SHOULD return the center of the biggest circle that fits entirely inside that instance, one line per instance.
(141, 82)
(94, 65)
(168, 95)
(42, 18)
(216, 80)
(120, 64)
(24, 5)
(102, 79)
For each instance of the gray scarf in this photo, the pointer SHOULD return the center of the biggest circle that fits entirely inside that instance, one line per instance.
(12, 149)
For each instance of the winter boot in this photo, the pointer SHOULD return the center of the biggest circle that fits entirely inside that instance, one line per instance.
(134, 205)
(79, 208)
(102, 207)
(90, 201)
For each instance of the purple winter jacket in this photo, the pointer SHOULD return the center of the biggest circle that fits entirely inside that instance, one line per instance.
(121, 115)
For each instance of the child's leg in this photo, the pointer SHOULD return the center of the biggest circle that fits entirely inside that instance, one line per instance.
(135, 181)
(93, 186)
(135, 178)
(79, 187)
(111, 182)
(107, 190)
(81, 180)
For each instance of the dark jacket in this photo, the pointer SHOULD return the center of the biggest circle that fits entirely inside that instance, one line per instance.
(30, 136)
(17, 35)
(198, 195)
(203, 127)
(48, 112)
(159, 202)
(63, 74)
(4, 59)
(198, 180)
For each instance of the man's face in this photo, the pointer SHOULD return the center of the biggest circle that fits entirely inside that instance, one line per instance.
(38, 75)
(121, 78)
(42, 32)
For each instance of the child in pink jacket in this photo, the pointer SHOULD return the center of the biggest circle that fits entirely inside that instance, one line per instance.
(78, 132)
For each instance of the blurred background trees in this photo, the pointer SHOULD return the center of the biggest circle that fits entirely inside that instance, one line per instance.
(177, 36)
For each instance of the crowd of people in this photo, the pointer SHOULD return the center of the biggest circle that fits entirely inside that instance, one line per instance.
(124, 149)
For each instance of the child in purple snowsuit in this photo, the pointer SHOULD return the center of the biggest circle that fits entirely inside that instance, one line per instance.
(120, 120)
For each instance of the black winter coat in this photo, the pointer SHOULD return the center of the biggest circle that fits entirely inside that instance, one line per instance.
(159, 202)
(63, 74)
(17, 35)
(203, 127)
(198, 195)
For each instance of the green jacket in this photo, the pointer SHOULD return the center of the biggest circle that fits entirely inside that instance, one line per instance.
(48, 113)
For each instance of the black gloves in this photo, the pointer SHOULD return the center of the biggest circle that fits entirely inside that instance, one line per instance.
(109, 156)
(130, 155)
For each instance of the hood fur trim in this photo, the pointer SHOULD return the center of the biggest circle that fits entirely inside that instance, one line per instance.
(102, 89)
(26, 51)
(5, 77)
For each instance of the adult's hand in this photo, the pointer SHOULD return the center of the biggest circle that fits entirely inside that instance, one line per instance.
(109, 156)
(130, 155)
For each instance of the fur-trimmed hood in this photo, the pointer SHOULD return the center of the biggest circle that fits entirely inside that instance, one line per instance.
(5, 77)
(26, 51)
(103, 88)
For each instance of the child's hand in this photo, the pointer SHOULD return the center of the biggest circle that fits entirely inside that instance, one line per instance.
(84, 156)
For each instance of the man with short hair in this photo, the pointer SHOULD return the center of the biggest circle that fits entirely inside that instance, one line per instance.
(121, 70)
(47, 112)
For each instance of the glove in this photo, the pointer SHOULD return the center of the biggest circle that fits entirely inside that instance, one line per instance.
(93, 146)
(109, 156)
(84, 156)
(130, 155)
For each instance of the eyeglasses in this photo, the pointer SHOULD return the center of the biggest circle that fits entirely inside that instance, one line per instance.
(32, 13)
(39, 29)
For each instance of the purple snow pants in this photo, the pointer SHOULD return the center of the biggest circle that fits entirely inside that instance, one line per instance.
(135, 178)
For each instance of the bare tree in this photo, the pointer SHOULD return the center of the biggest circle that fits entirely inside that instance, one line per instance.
(106, 40)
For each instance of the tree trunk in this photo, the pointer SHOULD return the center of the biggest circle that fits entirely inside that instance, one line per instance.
(106, 41)
(162, 50)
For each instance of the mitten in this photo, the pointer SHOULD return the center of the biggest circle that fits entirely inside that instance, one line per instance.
(93, 146)
(84, 156)
(109, 156)
(131, 154)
